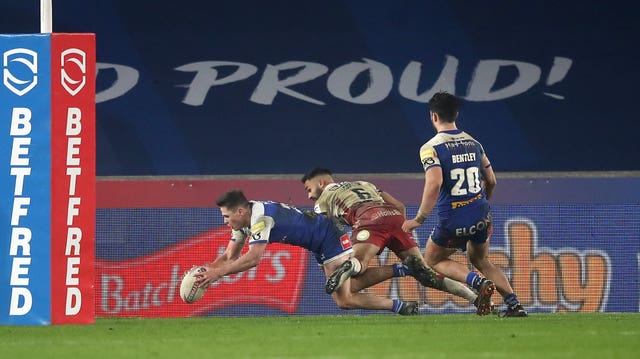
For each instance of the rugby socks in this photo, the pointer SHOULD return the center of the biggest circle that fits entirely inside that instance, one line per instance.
(356, 267)
(457, 288)
(397, 304)
(511, 300)
(474, 280)
(400, 270)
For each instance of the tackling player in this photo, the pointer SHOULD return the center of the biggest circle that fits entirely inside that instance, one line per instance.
(376, 218)
(458, 182)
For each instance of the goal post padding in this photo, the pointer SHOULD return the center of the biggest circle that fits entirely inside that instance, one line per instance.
(47, 186)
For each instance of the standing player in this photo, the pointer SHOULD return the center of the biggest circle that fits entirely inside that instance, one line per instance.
(376, 218)
(271, 222)
(458, 182)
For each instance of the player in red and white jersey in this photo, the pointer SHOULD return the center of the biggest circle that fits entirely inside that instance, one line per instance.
(376, 218)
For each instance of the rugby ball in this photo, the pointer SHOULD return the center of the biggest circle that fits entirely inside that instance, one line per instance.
(189, 290)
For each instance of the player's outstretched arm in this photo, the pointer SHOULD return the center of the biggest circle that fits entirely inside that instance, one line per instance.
(231, 253)
(245, 262)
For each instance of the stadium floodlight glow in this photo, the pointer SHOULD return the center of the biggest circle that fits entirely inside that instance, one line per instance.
(46, 17)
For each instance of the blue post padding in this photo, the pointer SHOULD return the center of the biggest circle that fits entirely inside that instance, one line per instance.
(25, 91)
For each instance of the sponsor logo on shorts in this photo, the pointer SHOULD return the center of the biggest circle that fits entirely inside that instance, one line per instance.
(386, 213)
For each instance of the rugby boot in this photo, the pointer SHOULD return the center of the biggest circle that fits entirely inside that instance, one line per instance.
(493, 309)
(337, 278)
(515, 312)
(423, 274)
(483, 302)
(409, 308)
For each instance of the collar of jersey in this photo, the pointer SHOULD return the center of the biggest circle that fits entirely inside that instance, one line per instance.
(451, 132)
(330, 185)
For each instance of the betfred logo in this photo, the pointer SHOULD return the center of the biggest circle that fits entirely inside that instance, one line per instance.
(20, 70)
(73, 72)
(149, 286)
(72, 178)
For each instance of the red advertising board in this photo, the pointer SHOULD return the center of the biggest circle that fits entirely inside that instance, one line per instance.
(148, 286)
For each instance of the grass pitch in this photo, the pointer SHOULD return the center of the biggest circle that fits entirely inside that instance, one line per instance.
(567, 335)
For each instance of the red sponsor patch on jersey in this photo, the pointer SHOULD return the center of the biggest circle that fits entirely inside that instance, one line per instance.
(345, 242)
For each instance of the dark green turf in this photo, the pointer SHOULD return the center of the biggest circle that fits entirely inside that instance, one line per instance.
(593, 335)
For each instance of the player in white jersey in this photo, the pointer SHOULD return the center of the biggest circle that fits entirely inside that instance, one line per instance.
(263, 223)
(376, 218)
(458, 182)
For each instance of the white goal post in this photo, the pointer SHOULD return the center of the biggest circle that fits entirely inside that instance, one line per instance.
(46, 17)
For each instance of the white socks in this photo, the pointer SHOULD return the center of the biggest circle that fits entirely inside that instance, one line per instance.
(356, 267)
(459, 289)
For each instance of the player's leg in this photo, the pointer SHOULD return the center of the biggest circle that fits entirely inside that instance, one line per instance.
(346, 298)
(404, 245)
(425, 275)
(375, 275)
(417, 266)
(368, 243)
(357, 264)
(479, 257)
(437, 257)
(368, 240)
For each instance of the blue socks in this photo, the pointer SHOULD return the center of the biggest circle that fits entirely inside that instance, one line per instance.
(397, 304)
(400, 270)
(511, 300)
(474, 280)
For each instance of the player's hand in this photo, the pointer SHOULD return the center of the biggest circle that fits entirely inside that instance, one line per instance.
(188, 270)
(409, 225)
(207, 277)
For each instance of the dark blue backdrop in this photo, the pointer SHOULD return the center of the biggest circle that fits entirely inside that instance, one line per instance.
(262, 87)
